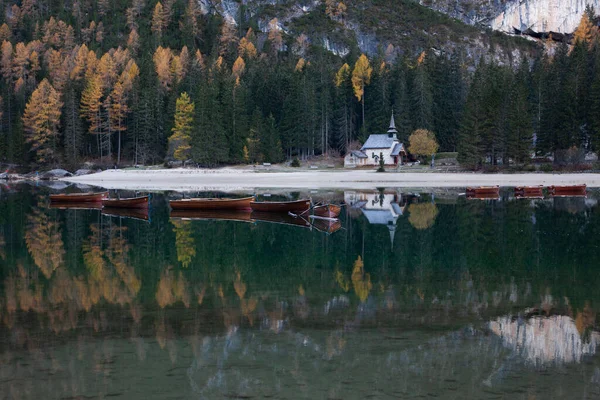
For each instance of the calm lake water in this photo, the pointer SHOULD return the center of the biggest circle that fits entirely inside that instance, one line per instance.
(417, 295)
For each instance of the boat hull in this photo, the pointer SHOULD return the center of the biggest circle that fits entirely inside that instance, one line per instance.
(72, 205)
(327, 211)
(212, 204)
(134, 213)
(483, 191)
(326, 225)
(279, 218)
(295, 207)
(568, 191)
(134, 202)
(529, 192)
(78, 197)
(212, 215)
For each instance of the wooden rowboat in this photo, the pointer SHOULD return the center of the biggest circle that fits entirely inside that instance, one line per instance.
(133, 202)
(529, 192)
(279, 218)
(212, 215)
(567, 191)
(327, 225)
(134, 213)
(212, 204)
(296, 207)
(483, 190)
(327, 211)
(78, 197)
(72, 205)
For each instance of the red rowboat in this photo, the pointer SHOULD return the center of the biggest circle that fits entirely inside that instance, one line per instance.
(327, 211)
(529, 191)
(133, 202)
(212, 204)
(78, 197)
(483, 190)
(567, 191)
(214, 215)
(326, 225)
(296, 207)
(71, 205)
(135, 213)
(279, 218)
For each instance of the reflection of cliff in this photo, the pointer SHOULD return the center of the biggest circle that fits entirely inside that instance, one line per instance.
(545, 340)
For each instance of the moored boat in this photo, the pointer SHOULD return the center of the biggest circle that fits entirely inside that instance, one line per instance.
(135, 213)
(78, 197)
(211, 204)
(298, 206)
(133, 202)
(327, 210)
(212, 215)
(529, 192)
(567, 191)
(327, 225)
(72, 205)
(483, 191)
(279, 218)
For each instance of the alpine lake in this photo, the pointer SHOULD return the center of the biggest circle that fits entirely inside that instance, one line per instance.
(414, 295)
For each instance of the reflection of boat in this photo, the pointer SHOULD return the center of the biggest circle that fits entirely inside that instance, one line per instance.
(327, 225)
(297, 206)
(211, 204)
(529, 192)
(327, 211)
(78, 197)
(488, 191)
(217, 215)
(133, 202)
(71, 205)
(573, 190)
(279, 218)
(136, 213)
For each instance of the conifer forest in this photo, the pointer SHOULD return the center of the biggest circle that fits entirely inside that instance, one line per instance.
(144, 82)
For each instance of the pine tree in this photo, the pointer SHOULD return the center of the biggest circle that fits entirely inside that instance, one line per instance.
(41, 120)
(179, 142)
(422, 98)
(469, 144)
(269, 142)
(519, 135)
(73, 133)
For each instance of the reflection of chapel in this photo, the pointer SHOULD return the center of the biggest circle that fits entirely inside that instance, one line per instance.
(386, 144)
(380, 208)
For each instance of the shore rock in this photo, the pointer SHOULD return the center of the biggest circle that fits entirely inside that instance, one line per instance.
(83, 171)
(55, 174)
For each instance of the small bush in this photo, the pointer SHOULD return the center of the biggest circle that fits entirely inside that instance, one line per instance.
(529, 168)
(546, 168)
(295, 163)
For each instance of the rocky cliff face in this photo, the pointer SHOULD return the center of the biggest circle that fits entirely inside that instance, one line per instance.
(376, 26)
(506, 15)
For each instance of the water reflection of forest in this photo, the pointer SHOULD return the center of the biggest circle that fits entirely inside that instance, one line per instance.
(402, 262)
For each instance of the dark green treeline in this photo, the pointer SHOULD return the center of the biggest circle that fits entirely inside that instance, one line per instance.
(271, 96)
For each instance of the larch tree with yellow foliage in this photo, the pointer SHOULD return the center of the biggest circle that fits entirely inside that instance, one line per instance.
(422, 142)
(361, 77)
(41, 120)
(584, 31)
(179, 142)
